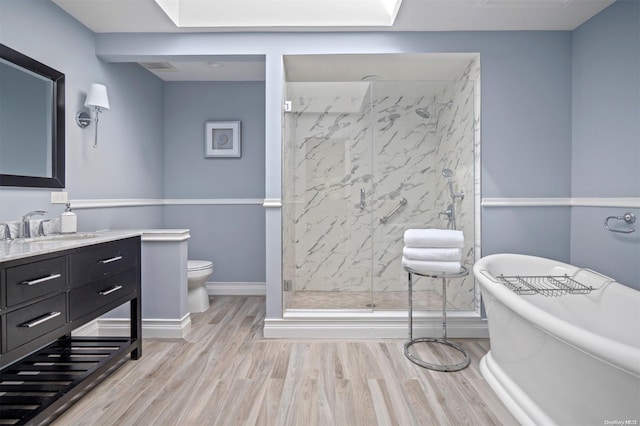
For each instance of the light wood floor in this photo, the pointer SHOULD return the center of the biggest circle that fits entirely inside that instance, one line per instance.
(226, 373)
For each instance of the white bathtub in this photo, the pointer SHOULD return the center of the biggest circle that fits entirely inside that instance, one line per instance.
(568, 360)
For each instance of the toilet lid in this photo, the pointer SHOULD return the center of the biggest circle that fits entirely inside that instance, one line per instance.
(198, 265)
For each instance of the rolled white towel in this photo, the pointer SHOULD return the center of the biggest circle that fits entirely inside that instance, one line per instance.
(435, 238)
(423, 266)
(431, 254)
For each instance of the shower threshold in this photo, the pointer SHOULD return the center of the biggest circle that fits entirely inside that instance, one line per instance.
(364, 300)
(372, 324)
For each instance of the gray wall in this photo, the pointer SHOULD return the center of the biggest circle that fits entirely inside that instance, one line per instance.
(532, 84)
(128, 162)
(606, 138)
(232, 236)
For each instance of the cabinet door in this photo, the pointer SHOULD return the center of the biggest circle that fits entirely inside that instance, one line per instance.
(26, 282)
(30, 322)
(93, 296)
(103, 261)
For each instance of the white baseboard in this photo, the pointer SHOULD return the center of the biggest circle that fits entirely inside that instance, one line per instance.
(236, 289)
(163, 328)
(374, 326)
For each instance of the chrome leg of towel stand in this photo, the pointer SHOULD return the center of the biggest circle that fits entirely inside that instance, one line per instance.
(443, 341)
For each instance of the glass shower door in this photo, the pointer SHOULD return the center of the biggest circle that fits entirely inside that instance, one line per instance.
(327, 262)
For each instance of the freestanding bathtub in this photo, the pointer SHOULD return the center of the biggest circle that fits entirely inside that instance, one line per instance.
(567, 359)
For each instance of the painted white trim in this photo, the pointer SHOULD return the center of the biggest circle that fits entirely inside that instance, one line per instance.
(606, 202)
(377, 325)
(108, 203)
(272, 202)
(146, 202)
(164, 235)
(236, 288)
(628, 202)
(211, 201)
(526, 202)
(162, 328)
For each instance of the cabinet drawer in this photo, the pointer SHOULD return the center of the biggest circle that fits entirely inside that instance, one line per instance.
(103, 261)
(30, 322)
(26, 282)
(91, 297)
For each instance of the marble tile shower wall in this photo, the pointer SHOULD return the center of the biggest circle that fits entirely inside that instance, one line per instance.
(457, 148)
(338, 147)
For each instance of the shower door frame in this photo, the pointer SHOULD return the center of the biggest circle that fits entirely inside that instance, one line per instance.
(392, 324)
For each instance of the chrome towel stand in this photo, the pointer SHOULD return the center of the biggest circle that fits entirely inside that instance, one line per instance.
(628, 218)
(447, 367)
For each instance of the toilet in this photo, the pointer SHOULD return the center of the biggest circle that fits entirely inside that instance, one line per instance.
(198, 271)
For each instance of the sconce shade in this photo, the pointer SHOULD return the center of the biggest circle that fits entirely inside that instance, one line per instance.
(97, 97)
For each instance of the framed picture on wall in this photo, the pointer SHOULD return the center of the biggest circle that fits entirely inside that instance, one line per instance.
(222, 139)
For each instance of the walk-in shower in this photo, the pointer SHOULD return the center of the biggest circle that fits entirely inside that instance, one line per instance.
(362, 162)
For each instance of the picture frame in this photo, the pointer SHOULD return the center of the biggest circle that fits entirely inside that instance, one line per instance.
(222, 139)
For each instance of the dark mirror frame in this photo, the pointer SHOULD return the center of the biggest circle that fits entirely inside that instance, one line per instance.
(58, 143)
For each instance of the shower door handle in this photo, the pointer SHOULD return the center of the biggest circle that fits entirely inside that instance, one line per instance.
(363, 196)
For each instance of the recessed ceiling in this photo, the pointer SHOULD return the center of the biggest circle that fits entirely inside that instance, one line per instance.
(387, 67)
(147, 16)
(281, 13)
(210, 68)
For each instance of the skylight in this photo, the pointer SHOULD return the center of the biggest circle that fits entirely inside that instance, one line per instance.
(280, 13)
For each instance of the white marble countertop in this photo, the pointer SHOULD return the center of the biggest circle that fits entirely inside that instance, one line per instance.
(22, 248)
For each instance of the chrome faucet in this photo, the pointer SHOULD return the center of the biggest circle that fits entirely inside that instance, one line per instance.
(6, 233)
(41, 227)
(450, 214)
(26, 227)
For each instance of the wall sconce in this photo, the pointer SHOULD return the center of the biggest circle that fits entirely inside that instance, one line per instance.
(97, 101)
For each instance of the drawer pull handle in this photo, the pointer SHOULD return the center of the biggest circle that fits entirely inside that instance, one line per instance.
(41, 280)
(41, 320)
(113, 259)
(111, 290)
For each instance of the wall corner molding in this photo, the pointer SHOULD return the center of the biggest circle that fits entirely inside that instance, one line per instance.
(272, 203)
(622, 202)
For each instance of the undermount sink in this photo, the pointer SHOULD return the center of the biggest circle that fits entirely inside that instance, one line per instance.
(57, 238)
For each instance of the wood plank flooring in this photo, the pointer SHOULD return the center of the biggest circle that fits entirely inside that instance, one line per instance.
(225, 373)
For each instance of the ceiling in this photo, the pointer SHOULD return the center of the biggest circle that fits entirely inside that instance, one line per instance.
(149, 16)
(117, 16)
(382, 67)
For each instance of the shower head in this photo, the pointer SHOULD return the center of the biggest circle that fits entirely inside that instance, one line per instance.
(422, 112)
(448, 173)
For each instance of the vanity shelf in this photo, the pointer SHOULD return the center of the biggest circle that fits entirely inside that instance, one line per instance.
(43, 298)
(39, 385)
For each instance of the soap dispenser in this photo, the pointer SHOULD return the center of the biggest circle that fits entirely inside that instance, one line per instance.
(68, 221)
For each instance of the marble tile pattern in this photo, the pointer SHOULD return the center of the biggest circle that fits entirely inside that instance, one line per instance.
(379, 144)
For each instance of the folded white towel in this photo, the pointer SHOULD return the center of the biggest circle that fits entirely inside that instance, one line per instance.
(426, 267)
(438, 238)
(431, 254)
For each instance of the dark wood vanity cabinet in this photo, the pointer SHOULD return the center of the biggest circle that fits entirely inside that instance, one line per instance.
(43, 298)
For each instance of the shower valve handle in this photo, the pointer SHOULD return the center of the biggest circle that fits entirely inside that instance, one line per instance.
(362, 198)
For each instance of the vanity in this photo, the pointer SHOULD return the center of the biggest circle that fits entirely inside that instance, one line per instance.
(49, 287)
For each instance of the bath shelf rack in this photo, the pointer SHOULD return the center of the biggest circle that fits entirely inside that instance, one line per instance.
(550, 286)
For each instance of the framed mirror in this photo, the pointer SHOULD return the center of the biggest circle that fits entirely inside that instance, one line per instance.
(31, 122)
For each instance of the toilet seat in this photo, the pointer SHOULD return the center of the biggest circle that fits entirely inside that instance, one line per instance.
(198, 265)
